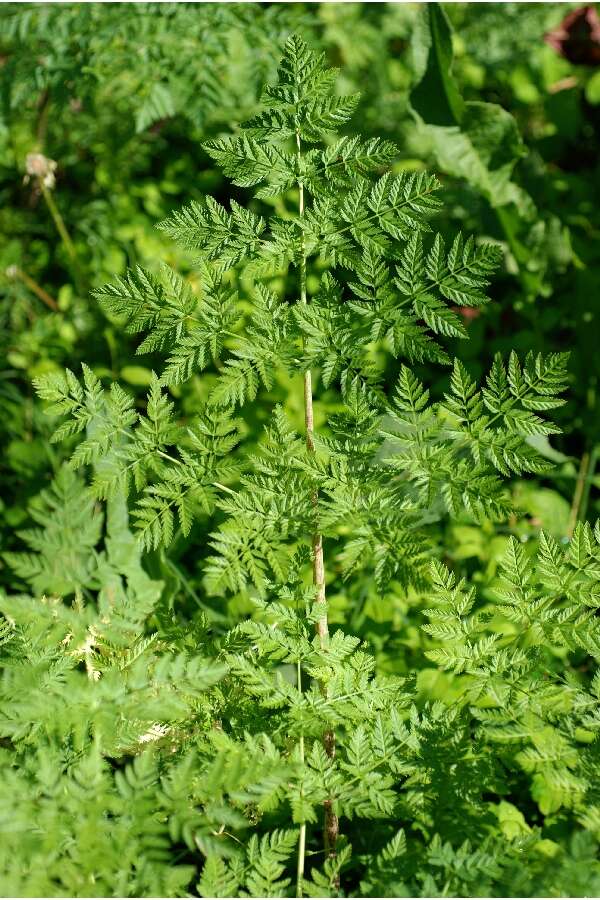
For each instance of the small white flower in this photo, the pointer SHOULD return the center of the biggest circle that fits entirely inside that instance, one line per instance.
(40, 166)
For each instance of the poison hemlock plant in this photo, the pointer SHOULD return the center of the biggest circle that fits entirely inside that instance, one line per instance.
(280, 757)
(388, 459)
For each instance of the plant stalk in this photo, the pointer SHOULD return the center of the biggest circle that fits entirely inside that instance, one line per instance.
(302, 834)
(62, 230)
(578, 495)
(331, 824)
(581, 496)
(34, 287)
(594, 453)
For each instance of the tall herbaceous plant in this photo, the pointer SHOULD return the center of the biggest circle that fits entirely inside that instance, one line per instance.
(305, 739)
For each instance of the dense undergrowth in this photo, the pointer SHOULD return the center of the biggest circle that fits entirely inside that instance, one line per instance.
(299, 568)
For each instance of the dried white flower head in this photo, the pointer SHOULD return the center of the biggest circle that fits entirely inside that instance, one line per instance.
(40, 166)
(154, 733)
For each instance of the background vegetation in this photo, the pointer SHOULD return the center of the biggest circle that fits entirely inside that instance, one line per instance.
(105, 111)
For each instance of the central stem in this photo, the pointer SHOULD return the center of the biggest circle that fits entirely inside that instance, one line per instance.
(302, 835)
(309, 421)
(331, 826)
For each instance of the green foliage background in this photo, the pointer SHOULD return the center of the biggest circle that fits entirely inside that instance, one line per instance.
(143, 750)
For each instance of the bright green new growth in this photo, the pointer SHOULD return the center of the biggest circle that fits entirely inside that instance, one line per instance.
(359, 497)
